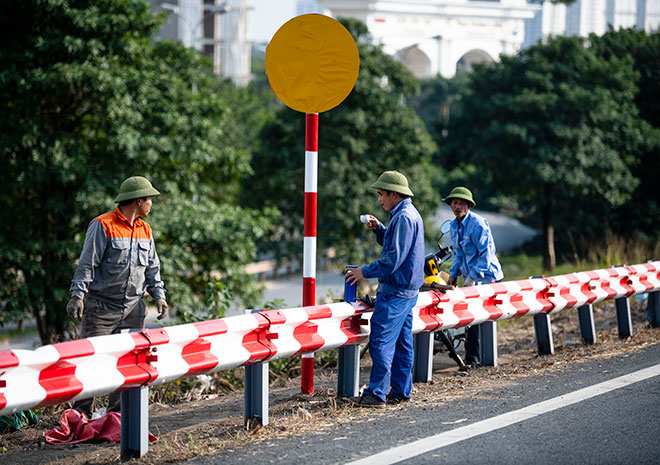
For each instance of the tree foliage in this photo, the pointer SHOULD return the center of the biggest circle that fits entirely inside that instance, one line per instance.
(644, 50)
(373, 130)
(86, 101)
(555, 126)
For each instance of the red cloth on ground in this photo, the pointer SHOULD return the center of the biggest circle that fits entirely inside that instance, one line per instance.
(75, 427)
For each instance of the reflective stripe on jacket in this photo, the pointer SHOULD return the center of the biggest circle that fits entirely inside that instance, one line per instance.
(400, 269)
(118, 261)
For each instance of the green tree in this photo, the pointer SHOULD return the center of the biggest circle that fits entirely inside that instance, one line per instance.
(436, 104)
(87, 100)
(644, 49)
(435, 101)
(554, 126)
(373, 130)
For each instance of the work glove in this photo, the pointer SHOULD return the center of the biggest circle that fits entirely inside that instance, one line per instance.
(162, 307)
(75, 307)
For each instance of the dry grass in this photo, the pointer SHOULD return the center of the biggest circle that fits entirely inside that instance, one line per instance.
(214, 423)
(619, 250)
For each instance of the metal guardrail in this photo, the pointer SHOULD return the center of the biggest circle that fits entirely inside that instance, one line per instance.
(133, 361)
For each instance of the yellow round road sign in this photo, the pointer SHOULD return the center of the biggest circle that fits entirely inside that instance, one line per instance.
(312, 63)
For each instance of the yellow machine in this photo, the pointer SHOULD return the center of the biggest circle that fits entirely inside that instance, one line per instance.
(431, 272)
(434, 278)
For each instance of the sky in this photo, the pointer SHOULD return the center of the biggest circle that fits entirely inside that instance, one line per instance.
(267, 16)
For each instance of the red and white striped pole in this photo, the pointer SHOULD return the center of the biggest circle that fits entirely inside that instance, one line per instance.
(333, 65)
(309, 246)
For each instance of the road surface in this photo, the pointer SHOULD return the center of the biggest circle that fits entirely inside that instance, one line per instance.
(604, 411)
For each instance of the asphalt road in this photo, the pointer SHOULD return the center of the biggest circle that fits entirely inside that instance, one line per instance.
(620, 424)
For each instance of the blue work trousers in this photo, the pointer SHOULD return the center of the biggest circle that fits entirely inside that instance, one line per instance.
(391, 347)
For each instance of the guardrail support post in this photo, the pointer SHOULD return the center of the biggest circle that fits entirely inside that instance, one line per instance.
(348, 357)
(623, 320)
(423, 357)
(488, 343)
(543, 331)
(587, 327)
(653, 309)
(255, 391)
(134, 422)
(348, 367)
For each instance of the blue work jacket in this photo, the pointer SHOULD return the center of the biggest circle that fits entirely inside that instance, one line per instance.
(474, 250)
(400, 269)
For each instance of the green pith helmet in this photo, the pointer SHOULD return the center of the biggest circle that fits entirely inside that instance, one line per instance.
(393, 181)
(461, 193)
(134, 188)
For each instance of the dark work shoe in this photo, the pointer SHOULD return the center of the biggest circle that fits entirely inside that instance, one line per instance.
(368, 401)
(393, 400)
(472, 363)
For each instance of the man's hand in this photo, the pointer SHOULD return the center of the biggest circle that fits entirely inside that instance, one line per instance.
(75, 307)
(451, 281)
(373, 222)
(353, 275)
(162, 307)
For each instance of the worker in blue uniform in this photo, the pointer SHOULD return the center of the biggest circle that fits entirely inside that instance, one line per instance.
(473, 257)
(400, 272)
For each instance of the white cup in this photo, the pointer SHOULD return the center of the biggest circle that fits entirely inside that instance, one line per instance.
(364, 218)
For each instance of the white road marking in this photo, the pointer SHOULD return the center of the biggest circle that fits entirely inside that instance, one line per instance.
(422, 446)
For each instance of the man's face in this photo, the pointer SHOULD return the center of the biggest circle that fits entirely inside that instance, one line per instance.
(460, 208)
(387, 200)
(144, 207)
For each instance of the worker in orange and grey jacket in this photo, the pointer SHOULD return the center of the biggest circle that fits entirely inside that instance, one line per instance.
(117, 265)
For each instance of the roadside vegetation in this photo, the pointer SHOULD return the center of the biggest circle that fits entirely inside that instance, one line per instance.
(563, 136)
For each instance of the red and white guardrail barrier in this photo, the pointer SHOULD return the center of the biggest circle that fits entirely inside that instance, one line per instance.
(84, 368)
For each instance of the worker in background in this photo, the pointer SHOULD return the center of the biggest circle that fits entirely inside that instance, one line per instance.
(400, 272)
(117, 265)
(473, 256)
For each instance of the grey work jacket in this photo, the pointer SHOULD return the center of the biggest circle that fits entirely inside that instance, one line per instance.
(118, 262)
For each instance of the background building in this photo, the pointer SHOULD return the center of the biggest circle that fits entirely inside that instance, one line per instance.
(217, 28)
(441, 36)
(584, 17)
(428, 36)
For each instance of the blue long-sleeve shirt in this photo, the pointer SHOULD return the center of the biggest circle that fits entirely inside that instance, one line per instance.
(474, 250)
(400, 269)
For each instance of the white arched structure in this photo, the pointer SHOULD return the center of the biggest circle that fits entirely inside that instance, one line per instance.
(416, 61)
(432, 36)
(467, 61)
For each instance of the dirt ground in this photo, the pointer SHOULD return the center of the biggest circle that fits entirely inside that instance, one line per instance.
(213, 423)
